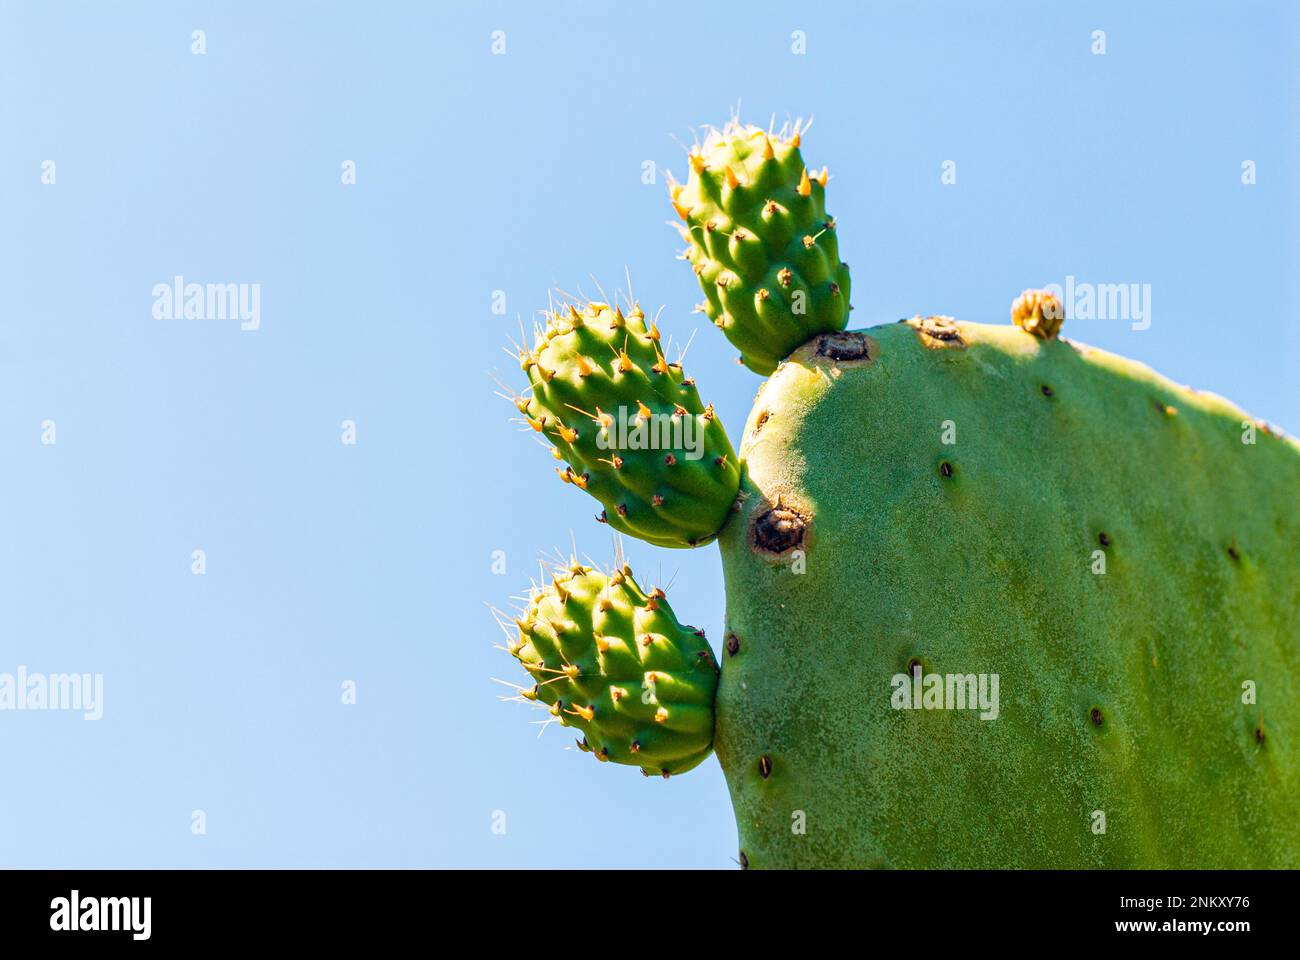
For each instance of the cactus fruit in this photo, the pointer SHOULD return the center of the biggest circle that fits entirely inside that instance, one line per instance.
(612, 660)
(761, 243)
(630, 425)
(996, 599)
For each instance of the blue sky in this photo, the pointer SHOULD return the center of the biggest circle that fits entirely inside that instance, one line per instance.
(475, 173)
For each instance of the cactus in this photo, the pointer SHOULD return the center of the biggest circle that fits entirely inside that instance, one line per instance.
(629, 424)
(761, 243)
(994, 599)
(612, 660)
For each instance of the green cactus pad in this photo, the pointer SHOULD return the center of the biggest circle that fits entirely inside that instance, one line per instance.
(630, 425)
(963, 499)
(612, 660)
(761, 243)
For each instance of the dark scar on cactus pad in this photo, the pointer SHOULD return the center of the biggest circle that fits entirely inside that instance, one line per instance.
(764, 766)
(845, 347)
(938, 332)
(778, 530)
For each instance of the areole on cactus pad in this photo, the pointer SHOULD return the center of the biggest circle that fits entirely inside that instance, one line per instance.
(994, 598)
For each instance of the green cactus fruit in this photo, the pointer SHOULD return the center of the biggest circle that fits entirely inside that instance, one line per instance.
(761, 243)
(968, 500)
(630, 425)
(612, 660)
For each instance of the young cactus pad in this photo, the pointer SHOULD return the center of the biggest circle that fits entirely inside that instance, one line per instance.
(761, 243)
(630, 425)
(612, 660)
(993, 598)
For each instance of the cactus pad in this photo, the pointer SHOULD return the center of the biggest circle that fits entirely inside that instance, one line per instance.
(964, 499)
(630, 425)
(612, 660)
(761, 243)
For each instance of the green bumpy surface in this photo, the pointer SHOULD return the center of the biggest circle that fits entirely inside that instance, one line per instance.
(612, 660)
(762, 244)
(631, 426)
(1121, 693)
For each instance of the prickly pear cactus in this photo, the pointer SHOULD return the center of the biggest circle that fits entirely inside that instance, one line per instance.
(994, 598)
(761, 243)
(612, 660)
(630, 425)
(972, 501)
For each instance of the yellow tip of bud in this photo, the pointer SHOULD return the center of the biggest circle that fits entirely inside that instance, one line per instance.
(733, 181)
(805, 185)
(697, 162)
(642, 411)
(795, 141)
(768, 152)
(823, 176)
(1038, 312)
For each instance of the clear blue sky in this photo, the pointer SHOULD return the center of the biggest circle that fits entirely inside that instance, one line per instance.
(476, 173)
